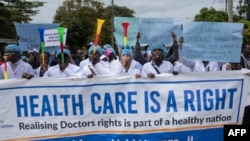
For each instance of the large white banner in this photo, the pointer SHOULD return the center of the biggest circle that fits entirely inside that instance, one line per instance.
(186, 107)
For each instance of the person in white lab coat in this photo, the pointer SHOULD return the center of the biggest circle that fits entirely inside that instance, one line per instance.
(126, 65)
(157, 65)
(183, 65)
(95, 66)
(16, 67)
(64, 68)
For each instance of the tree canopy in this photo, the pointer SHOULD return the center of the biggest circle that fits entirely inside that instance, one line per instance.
(244, 9)
(211, 15)
(16, 11)
(80, 17)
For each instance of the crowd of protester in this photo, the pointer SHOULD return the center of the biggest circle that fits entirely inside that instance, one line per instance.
(104, 60)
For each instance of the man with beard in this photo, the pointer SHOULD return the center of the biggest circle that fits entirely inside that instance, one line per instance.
(158, 65)
(33, 58)
(64, 68)
(16, 67)
(77, 56)
(95, 65)
(44, 61)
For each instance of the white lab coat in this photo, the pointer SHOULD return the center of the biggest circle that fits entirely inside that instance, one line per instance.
(70, 71)
(21, 67)
(99, 69)
(165, 67)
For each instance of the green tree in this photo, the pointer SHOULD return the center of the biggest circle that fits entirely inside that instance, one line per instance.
(211, 15)
(16, 11)
(244, 9)
(80, 18)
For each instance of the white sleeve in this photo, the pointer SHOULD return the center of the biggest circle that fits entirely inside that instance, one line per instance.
(247, 100)
(1, 72)
(177, 66)
(115, 67)
(73, 71)
(101, 69)
(47, 73)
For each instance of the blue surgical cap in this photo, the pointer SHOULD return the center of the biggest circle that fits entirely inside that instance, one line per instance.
(65, 51)
(106, 46)
(157, 46)
(127, 51)
(127, 46)
(98, 49)
(112, 50)
(13, 47)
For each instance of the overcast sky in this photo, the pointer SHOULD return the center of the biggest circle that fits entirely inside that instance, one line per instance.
(180, 9)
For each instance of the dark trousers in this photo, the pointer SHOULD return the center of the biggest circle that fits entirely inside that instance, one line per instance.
(246, 116)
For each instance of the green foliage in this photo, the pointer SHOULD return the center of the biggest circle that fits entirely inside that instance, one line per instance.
(244, 9)
(120, 11)
(80, 17)
(6, 27)
(246, 29)
(244, 13)
(211, 15)
(16, 11)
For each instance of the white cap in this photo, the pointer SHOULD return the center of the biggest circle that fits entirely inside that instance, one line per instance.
(33, 50)
(143, 45)
(103, 57)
